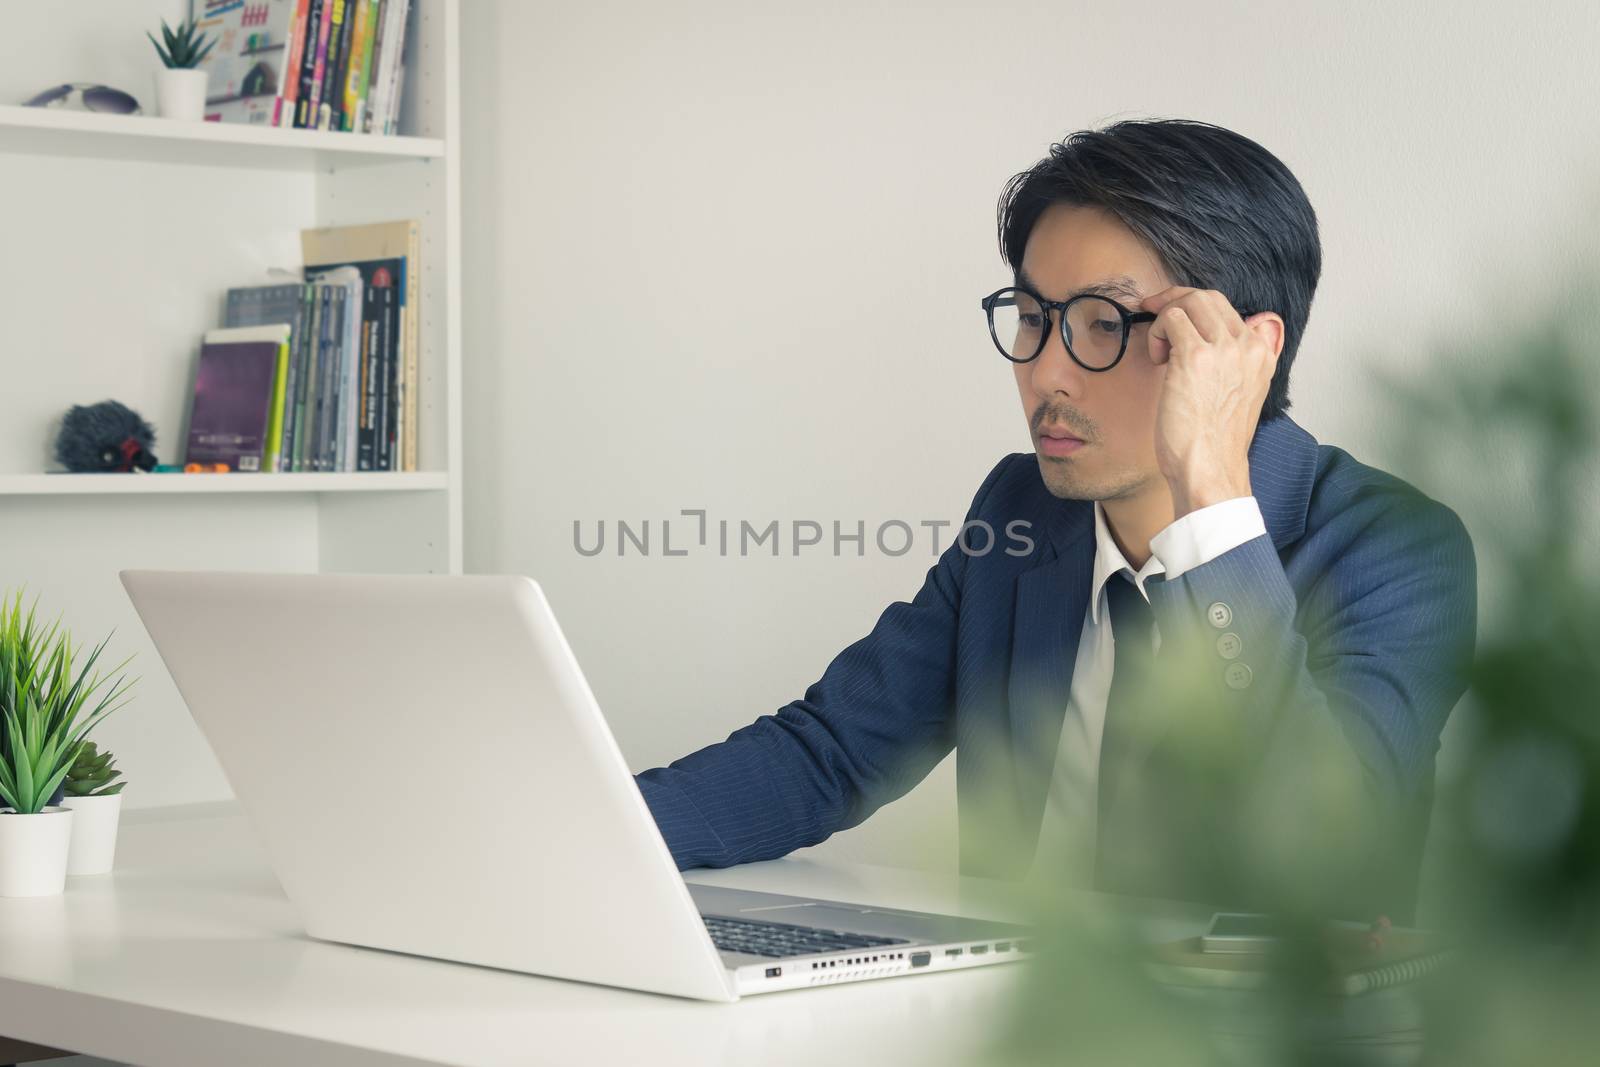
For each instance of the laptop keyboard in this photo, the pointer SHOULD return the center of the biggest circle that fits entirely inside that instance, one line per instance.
(776, 940)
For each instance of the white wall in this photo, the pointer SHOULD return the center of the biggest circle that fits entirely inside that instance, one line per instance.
(729, 255)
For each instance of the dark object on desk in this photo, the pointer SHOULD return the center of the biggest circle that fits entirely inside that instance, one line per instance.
(1345, 955)
(105, 437)
(1239, 931)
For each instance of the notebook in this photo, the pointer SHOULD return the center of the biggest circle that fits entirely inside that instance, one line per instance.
(236, 416)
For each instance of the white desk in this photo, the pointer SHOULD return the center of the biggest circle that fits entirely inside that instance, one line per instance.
(189, 953)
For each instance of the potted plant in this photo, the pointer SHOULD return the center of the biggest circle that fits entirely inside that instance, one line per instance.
(96, 803)
(45, 710)
(180, 84)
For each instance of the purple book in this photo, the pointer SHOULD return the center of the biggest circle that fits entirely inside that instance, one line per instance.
(229, 419)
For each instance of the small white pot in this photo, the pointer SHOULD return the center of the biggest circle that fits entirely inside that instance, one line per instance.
(181, 93)
(94, 833)
(33, 852)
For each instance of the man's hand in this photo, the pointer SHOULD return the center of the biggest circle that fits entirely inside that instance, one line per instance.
(1218, 371)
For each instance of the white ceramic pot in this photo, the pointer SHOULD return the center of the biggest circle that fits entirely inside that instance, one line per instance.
(33, 852)
(181, 93)
(94, 833)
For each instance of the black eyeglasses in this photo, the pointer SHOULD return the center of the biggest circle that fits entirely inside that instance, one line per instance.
(83, 96)
(1094, 328)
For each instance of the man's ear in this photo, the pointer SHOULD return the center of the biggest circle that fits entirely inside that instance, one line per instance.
(1268, 326)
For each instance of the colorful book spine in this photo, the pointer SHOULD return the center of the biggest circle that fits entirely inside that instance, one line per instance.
(318, 19)
(289, 85)
(312, 442)
(370, 92)
(327, 371)
(391, 86)
(273, 460)
(333, 75)
(385, 315)
(360, 45)
(383, 414)
(302, 390)
(346, 367)
(295, 390)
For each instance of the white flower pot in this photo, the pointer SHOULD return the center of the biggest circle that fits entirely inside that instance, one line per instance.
(181, 93)
(94, 833)
(33, 852)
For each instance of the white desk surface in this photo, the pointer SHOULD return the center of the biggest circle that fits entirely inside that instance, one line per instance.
(189, 953)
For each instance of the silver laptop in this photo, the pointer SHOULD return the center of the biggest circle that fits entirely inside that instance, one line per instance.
(430, 773)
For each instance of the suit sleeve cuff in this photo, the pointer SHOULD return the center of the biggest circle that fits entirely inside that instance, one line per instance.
(1203, 535)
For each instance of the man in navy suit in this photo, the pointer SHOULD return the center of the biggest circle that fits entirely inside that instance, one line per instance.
(1181, 647)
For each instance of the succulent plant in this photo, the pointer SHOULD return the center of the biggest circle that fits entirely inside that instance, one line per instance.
(91, 773)
(186, 46)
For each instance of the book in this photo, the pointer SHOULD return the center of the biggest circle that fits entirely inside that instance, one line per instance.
(235, 414)
(355, 82)
(312, 441)
(272, 460)
(305, 391)
(394, 382)
(300, 357)
(345, 370)
(393, 35)
(310, 101)
(247, 70)
(289, 94)
(382, 346)
(264, 305)
(396, 74)
(332, 106)
(369, 91)
(327, 375)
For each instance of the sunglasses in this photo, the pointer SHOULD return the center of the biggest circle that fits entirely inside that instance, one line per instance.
(83, 96)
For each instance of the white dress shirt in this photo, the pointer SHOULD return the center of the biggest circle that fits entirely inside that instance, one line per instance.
(1067, 832)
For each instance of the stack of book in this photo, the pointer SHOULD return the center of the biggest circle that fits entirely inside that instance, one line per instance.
(317, 374)
(314, 64)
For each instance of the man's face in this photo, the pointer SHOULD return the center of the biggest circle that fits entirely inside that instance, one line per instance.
(1112, 413)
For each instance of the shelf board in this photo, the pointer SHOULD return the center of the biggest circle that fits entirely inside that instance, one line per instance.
(329, 482)
(54, 131)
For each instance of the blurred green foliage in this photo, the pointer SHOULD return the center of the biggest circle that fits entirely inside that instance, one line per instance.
(1504, 430)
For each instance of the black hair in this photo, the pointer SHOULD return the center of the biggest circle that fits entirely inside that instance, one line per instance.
(1219, 210)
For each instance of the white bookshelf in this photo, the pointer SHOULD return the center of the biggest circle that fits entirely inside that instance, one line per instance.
(331, 482)
(122, 234)
(152, 139)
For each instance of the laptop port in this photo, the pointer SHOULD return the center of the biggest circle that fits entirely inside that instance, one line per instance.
(952, 952)
(773, 972)
(978, 950)
(1002, 946)
(920, 959)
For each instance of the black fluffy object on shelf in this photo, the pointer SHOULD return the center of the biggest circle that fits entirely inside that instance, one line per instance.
(105, 437)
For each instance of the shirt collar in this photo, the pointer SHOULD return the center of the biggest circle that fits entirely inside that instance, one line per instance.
(1109, 561)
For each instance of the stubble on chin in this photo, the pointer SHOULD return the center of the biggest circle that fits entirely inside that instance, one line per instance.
(1066, 480)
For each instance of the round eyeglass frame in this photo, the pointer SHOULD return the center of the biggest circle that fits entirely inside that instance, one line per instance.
(1130, 319)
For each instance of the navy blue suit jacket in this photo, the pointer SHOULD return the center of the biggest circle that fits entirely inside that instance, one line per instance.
(1357, 618)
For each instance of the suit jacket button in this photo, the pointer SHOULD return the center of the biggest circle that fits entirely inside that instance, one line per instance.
(1229, 646)
(1237, 675)
(1220, 615)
